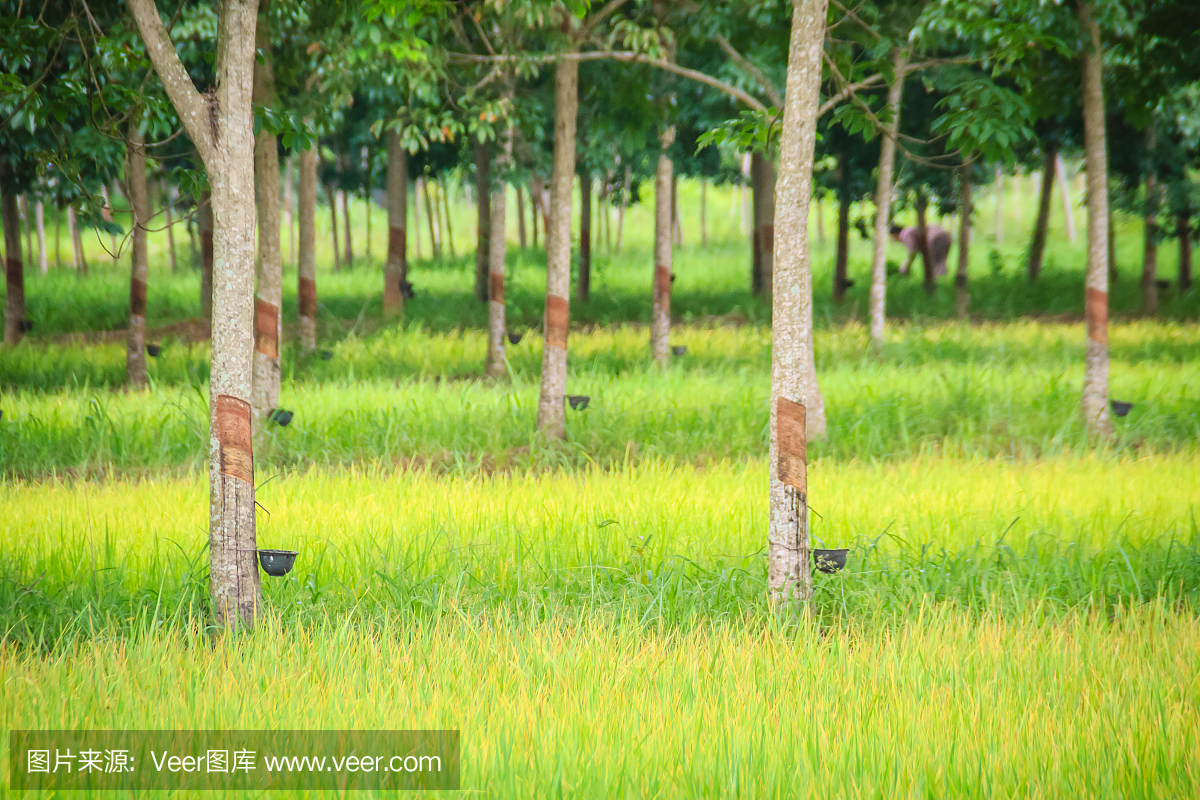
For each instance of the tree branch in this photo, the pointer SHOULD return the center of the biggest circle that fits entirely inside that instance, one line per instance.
(189, 103)
(756, 73)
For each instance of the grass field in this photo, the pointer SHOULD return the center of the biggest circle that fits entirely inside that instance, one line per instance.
(1018, 617)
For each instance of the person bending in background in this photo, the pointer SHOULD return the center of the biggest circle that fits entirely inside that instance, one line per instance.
(939, 246)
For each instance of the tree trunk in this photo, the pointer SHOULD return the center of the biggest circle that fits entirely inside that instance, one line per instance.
(930, 280)
(331, 196)
(762, 172)
(39, 213)
(497, 247)
(788, 570)
(703, 213)
(962, 297)
(220, 127)
(169, 212)
(1150, 243)
(585, 237)
(306, 252)
(664, 180)
(483, 191)
(883, 201)
(1060, 171)
(1183, 226)
(268, 328)
(14, 265)
(80, 260)
(842, 259)
(444, 191)
(396, 269)
(999, 221)
(623, 207)
(1037, 247)
(204, 224)
(431, 219)
(139, 206)
(1095, 382)
(551, 418)
(521, 236)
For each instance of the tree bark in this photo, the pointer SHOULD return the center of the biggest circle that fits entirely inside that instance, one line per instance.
(585, 236)
(444, 191)
(139, 206)
(220, 127)
(962, 297)
(762, 175)
(1183, 226)
(842, 259)
(268, 326)
(306, 253)
(788, 570)
(623, 207)
(14, 265)
(204, 224)
(497, 249)
(551, 418)
(929, 279)
(396, 270)
(883, 200)
(660, 329)
(1095, 382)
(169, 212)
(1037, 247)
(521, 234)
(39, 213)
(483, 193)
(331, 196)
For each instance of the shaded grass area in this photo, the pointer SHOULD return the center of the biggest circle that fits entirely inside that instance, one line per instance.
(406, 396)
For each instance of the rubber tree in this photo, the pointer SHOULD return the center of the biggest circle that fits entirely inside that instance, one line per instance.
(483, 184)
(220, 125)
(660, 330)
(268, 330)
(306, 260)
(883, 196)
(497, 366)
(788, 569)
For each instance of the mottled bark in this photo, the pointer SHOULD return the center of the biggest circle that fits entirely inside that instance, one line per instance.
(483, 219)
(14, 264)
(497, 249)
(39, 213)
(204, 226)
(220, 126)
(585, 236)
(962, 297)
(268, 327)
(883, 200)
(660, 326)
(522, 237)
(306, 253)
(396, 269)
(551, 418)
(788, 569)
(1095, 383)
(139, 207)
(1037, 247)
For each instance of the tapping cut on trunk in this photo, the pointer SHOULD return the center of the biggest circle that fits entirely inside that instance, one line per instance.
(1096, 312)
(557, 321)
(137, 298)
(266, 325)
(792, 433)
(496, 288)
(233, 436)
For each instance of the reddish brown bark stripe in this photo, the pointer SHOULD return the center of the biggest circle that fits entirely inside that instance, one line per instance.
(791, 432)
(137, 298)
(1096, 312)
(13, 269)
(662, 281)
(558, 315)
(496, 288)
(233, 435)
(206, 247)
(308, 298)
(768, 239)
(396, 243)
(266, 328)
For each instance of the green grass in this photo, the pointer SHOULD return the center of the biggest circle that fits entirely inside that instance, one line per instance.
(1018, 616)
